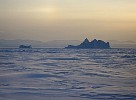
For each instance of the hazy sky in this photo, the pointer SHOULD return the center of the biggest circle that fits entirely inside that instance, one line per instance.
(68, 19)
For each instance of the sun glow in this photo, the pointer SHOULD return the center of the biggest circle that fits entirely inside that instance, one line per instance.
(48, 10)
(45, 12)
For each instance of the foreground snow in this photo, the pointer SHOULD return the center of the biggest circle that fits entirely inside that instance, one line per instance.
(63, 74)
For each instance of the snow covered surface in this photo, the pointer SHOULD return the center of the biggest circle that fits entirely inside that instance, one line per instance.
(67, 74)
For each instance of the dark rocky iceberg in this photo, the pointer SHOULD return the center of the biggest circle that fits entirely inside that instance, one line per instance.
(95, 44)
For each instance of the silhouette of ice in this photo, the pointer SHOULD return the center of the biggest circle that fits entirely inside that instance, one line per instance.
(25, 46)
(95, 44)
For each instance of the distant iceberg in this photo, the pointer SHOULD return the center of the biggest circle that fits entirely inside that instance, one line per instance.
(25, 46)
(95, 44)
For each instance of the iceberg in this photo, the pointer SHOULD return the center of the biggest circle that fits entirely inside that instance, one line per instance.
(94, 44)
(25, 46)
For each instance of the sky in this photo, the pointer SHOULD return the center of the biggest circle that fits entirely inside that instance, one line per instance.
(47, 20)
